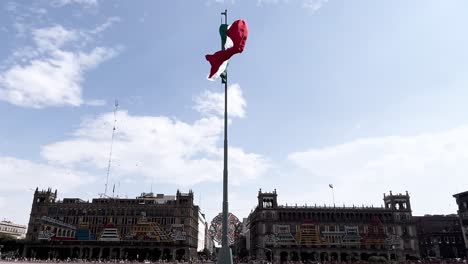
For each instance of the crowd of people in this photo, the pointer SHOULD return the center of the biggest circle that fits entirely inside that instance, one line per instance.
(202, 261)
(71, 261)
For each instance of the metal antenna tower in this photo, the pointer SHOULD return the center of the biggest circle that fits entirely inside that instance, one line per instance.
(116, 106)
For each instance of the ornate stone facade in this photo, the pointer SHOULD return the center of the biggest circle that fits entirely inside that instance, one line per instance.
(12, 229)
(147, 227)
(323, 233)
(440, 236)
(462, 202)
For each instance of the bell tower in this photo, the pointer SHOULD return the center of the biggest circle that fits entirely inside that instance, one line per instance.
(405, 229)
(44, 196)
(40, 206)
(398, 202)
(267, 200)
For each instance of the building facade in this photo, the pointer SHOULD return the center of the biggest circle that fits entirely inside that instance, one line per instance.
(12, 229)
(147, 227)
(209, 242)
(462, 202)
(440, 236)
(322, 233)
(201, 232)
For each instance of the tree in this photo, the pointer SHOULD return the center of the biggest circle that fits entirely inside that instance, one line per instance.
(6, 237)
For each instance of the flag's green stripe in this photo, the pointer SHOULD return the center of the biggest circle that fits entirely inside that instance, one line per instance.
(222, 32)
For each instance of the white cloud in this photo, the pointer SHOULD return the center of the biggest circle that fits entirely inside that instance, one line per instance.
(86, 3)
(53, 38)
(313, 5)
(431, 167)
(244, 167)
(109, 22)
(167, 149)
(20, 175)
(210, 103)
(19, 178)
(51, 73)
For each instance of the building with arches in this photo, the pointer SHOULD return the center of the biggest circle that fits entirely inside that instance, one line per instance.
(462, 202)
(11, 229)
(440, 236)
(324, 233)
(152, 227)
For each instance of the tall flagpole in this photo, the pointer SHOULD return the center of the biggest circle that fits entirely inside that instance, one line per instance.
(225, 254)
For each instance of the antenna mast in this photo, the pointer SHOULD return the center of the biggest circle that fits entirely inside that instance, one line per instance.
(152, 179)
(112, 143)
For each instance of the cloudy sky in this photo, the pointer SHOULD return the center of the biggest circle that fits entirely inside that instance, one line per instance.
(369, 96)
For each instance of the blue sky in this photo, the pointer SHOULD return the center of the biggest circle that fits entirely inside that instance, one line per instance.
(367, 95)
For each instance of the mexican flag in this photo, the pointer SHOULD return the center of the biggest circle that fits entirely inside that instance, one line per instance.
(233, 38)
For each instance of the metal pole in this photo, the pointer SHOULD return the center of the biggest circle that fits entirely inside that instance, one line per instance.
(225, 254)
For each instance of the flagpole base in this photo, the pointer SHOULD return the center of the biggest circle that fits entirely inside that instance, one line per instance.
(225, 255)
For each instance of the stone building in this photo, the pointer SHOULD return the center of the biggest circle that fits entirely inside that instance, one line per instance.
(15, 230)
(147, 227)
(209, 242)
(321, 233)
(201, 232)
(440, 236)
(462, 202)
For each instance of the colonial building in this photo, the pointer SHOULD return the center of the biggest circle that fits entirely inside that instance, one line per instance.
(12, 229)
(209, 242)
(462, 201)
(320, 233)
(201, 232)
(147, 227)
(440, 236)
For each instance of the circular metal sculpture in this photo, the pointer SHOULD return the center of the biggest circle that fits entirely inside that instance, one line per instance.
(216, 228)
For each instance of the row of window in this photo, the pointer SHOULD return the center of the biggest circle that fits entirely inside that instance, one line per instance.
(119, 211)
(59, 232)
(328, 216)
(92, 220)
(363, 229)
(444, 239)
(11, 230)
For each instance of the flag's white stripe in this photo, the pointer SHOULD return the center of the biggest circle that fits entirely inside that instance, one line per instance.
(223, 66)
(228, 43)
(221, 69)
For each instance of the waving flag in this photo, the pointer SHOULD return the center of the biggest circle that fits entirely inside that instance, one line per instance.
(233, 39)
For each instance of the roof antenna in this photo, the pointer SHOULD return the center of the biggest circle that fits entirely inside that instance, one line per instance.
(152, 179)
(116, 106)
